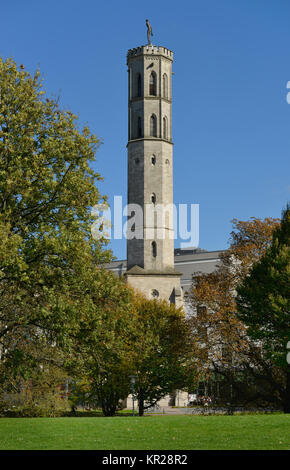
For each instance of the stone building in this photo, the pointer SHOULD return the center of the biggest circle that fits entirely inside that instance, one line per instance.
(150, 248)
(186, 262)
(152, 265)
(150, 245)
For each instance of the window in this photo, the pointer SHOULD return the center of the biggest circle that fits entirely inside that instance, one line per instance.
(154, 249)
(153, 160)
(165, 127)
(153, 126)
(152, 84)
(165, 86)
(139, 129)
(153, 198)
(139, 85)
(155, 294)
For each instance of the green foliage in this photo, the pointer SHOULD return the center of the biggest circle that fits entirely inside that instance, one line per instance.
(163, 351)
(49, 283)
(42, 393)
(52, 406)
(264, 303)
(264, 296)
(100, 354)
(131, 336)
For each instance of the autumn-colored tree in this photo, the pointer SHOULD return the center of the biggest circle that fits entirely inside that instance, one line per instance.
(226, 354)
(264, 304)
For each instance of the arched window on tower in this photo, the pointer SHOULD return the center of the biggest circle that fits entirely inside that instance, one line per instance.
(154, 249)
(152, 84)
(165, 86)
(165, 132)
(153, 126)
(139, 85)
(139, 128)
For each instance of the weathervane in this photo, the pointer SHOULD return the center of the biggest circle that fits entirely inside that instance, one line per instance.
(149, 32)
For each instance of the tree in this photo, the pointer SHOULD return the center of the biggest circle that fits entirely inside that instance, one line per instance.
(132, 335)
(229, 360)
(162, 351)
(48, 258)
(263, 302)
(100, 360)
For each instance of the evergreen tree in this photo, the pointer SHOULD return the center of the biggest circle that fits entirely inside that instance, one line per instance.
(264, 303)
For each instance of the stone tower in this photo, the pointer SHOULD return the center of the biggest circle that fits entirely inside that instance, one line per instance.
(150, 243)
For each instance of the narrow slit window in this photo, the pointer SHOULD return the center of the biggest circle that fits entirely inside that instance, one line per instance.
(153, 84)
(165, 128)
(154, 249)
(165, 86)
(153, 126)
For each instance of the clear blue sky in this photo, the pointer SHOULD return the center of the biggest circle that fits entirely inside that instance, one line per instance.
(231, 121)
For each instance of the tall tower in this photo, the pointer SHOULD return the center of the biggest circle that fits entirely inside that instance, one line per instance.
(150, 243)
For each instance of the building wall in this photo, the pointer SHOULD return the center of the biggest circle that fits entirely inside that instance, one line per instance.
(168, 287)
(187, 262)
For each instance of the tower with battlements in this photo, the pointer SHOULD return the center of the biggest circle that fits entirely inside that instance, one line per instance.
(150, 239)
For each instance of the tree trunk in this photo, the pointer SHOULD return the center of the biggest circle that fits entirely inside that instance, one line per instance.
(287, 392)
(141, 403)
(108, 409)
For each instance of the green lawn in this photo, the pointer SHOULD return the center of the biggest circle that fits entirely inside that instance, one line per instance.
(149, 433)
